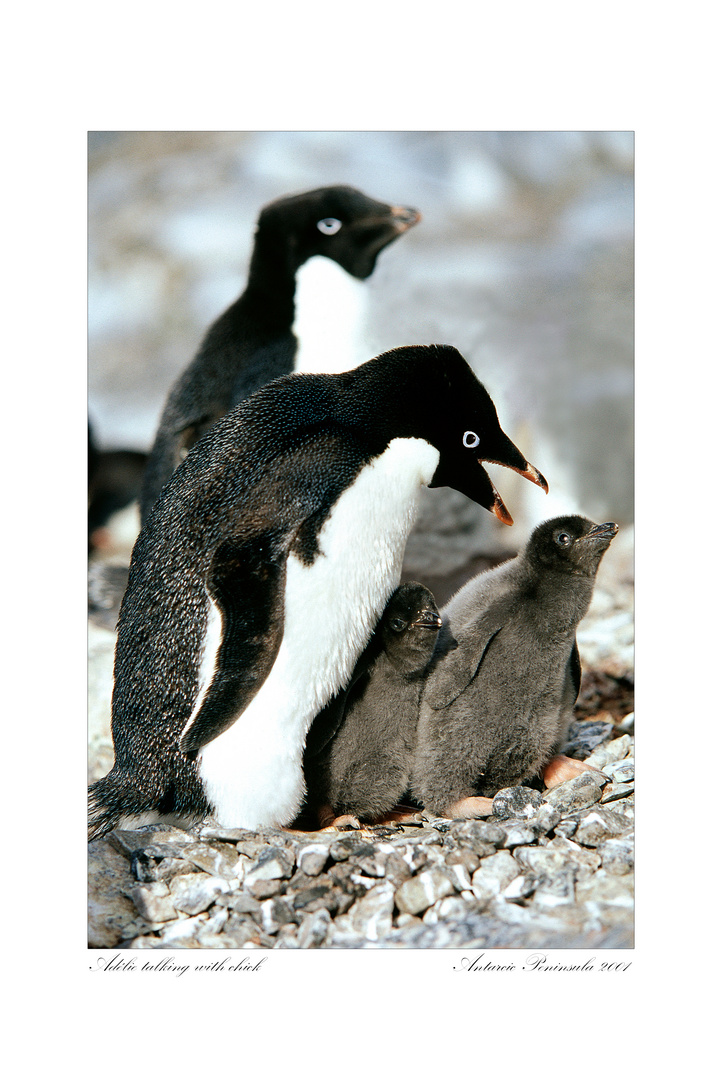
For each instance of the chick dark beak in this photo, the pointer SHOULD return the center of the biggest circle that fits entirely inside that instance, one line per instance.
(404, 217)
(428, 620)
(606, 531)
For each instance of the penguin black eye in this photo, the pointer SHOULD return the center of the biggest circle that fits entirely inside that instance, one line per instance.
(471, 439)
(328, 226)
(564, 539)
(398, 625)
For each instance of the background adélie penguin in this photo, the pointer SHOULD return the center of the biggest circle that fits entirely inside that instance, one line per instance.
(336, 235)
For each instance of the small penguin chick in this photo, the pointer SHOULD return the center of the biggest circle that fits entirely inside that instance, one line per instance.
(501, 686)
(360, 748)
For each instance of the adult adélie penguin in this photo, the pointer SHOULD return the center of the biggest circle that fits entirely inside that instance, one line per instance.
(300, 311)
(262, 570)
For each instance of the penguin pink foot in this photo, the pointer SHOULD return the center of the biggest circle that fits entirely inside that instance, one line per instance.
(475, 806)
(398, 817)
(562, 768)
(328, 821)
(344, 821)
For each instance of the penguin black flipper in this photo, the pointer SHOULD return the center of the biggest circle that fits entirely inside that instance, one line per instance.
(574, 673)
(449, 680)
(246, 582)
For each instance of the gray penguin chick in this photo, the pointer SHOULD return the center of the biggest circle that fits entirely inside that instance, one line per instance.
(360, 747)
(500, 690)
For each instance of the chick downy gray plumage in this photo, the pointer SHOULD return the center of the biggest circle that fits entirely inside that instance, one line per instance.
(360, 748)
(505, 675)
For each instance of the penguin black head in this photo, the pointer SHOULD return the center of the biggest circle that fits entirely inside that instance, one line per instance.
(410, 625)
(339, 222)
(429, 391)
(570, 544)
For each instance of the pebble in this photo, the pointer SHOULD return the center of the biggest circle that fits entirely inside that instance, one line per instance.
(216, 859)
(272, 863)
(613, 751)
(312, 859)
(516, 802)
(194, 893)
(520, 887)
(159, 862)
(598, 824)
(574, 794)
(420, 892)
(275, 913)
(494, 874)
(627, 723)
(313, 929)
(616, 791)
(585, 736)
(556, 890)
(371, 915)
(154, 902)
(546, 870)
(617, 855)
(517, 834)
(608, 889)
(620, 771)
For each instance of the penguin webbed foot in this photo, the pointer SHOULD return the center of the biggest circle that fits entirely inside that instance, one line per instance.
(473, 806)
(562, 768)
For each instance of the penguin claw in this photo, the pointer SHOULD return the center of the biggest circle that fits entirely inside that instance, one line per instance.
(343, 821)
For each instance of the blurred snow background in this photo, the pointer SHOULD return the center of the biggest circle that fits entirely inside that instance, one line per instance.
(523, 261)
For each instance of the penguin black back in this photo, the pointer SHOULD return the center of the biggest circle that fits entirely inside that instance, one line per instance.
(504, 678)
(360, 748)
(253, 342)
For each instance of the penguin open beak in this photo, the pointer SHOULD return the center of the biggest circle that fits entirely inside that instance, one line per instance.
(512, 459)
(527, 471)
(498, 508)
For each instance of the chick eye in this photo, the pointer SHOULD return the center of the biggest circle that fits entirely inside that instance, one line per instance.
(471, 439)
(564, 539)
(328, 225)
(398, 625)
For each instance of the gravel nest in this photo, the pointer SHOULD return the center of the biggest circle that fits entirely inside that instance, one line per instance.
(551, 869)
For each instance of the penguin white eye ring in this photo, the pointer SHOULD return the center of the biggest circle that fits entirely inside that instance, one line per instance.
(564, 539)
(471, 440)
(328, 226)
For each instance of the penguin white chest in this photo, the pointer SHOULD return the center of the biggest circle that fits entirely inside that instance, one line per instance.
(252, 772)
(330, 314)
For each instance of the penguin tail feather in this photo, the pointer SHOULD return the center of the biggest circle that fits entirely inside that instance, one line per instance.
(104, 809)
